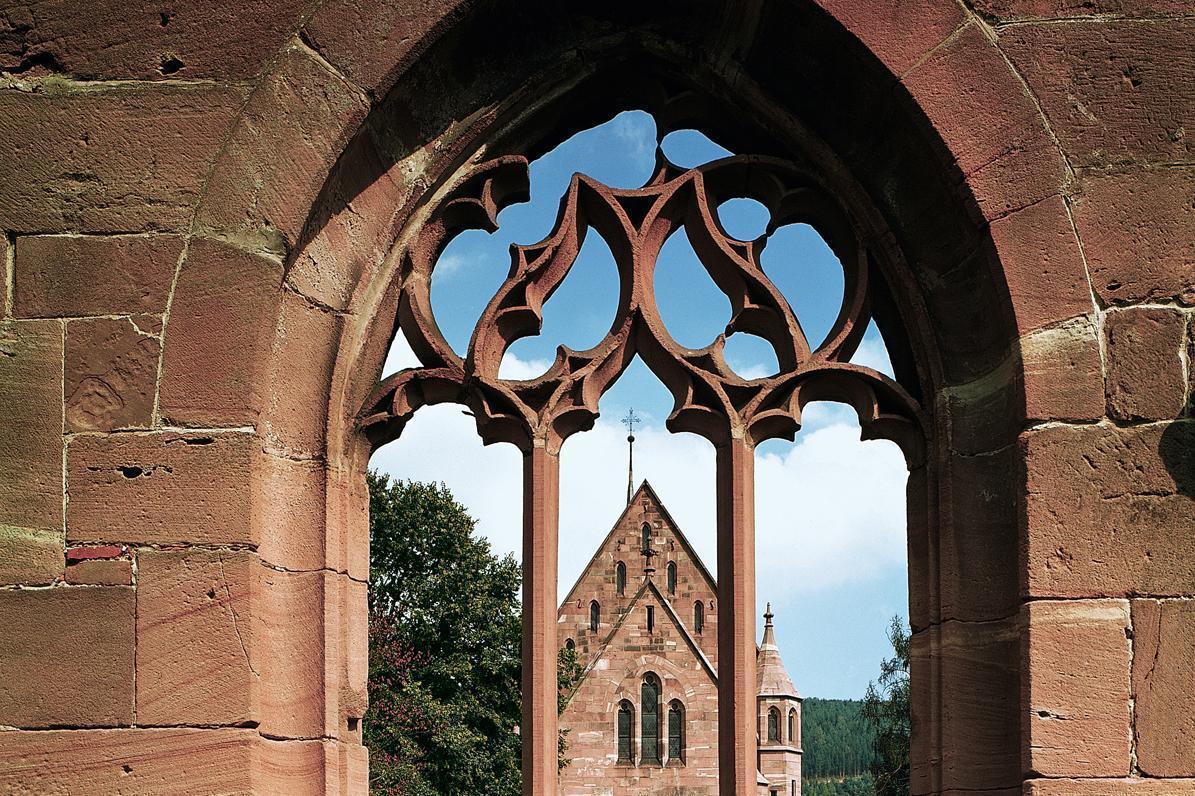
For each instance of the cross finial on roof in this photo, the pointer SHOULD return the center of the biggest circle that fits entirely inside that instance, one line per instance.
(630, 421)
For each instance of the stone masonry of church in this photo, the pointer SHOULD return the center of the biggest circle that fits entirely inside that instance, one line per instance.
(628, 629)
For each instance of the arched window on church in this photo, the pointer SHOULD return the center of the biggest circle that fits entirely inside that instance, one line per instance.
(672, 577)
(620, 578)
(646, 541)
(792, 727)
(650, 724)
(570, 645)
(595, 615)
(698, 616)
(626, 720)
(773, 724)
(676, 732)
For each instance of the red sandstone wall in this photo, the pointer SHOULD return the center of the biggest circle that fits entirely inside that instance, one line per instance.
(617, 675)
(182, 608)
(597, 582)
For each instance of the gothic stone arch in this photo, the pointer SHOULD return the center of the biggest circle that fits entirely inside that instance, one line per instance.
(1045, 518)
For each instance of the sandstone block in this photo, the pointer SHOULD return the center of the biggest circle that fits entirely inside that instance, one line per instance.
(1077, 688)
(101, 572)
(301, 374)
(1114, 92)
(127, 159)
(161, 488)
(300, 108)
(1041, 261)
(992, 127)
(977, 550)
(1009, 10)
(224, 314)
(111, 374)
(288, 629)
(1146, 379)
(1107, 510)
(144, 40)
(979, 665)
(63, 275)
(899, 33)
(67, 657)
(290, 513)
(1163, 668)
(30, 556)
(1110, 787)
(143, 762)
(1063, 374)
(31, 434)
(195, 643)
(397, 35)
(1138, 231)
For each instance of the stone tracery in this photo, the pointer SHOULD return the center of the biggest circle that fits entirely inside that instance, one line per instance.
(710, 399)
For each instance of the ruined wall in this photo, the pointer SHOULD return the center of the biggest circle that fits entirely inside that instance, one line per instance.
(183, 598)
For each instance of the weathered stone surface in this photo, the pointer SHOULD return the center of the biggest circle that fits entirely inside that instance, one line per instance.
(1110, 787)
(899, 32)
(398, 32)
(1063, 374)
(1008, 10)
(1163, 670)
(224, 315)
(303, 110)
(111, 374)
(30, 556)
(303, 357)
(127, 159)
(291, 504)
(288, 630)
(31, 434)
(1077, 688)
(144, 40)
(59, 275)
(161, 488)
(101, 572)
(993, 129)
(1127, 491)
(1042, 264)
(195, 642)
(150, 762)
(979, 663)
(1114, 92)
(67, 657)
(977, 564)
(1146, 378)
(1138, 231)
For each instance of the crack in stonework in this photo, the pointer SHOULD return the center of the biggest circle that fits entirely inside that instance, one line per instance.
(232, 610)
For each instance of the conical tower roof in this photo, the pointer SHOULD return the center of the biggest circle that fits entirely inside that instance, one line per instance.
(770, 673)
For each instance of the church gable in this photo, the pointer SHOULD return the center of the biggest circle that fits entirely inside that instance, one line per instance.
(603, 592)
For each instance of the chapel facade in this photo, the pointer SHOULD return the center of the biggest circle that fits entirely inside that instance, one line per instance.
(643, 719)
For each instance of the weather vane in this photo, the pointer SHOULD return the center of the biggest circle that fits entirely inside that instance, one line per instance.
(630, 421)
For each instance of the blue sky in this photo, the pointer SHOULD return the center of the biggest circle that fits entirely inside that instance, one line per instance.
(830, 509)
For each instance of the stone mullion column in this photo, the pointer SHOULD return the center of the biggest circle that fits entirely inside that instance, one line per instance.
(737, 741)
(541, 514)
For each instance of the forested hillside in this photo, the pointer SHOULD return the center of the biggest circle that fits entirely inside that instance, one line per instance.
(837, 740)
(838, 748)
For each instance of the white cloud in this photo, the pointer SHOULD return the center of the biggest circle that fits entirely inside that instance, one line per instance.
(872, 353)
(516, 369)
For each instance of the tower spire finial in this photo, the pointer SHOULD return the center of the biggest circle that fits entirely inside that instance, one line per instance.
(630, 421)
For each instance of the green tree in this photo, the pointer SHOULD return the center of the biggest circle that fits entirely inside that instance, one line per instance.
(444, 648)
(886, 706)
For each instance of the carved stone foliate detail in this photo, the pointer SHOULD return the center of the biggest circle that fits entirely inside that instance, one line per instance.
(710, 399)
